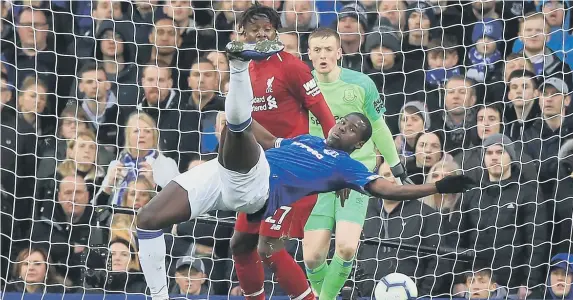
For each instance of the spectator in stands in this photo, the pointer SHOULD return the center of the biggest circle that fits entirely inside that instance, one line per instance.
(383, 47)
(100, 105)
(505, 220)
(482, 284)
(190, 277)
(484, 58)
(301, 18)
(428, 151)
(34, 273)
(489, 121)
(290, 39)
(411, 222)
(17, 168)
(459, 115)
(178, 136)
(125, 275)
(371, 8)
(194, 37)
(546, 135)
(64, 226)
(414, 120)
(445, 204)
(558, 17)
(394, 11)
(81, 160)
(523, 97)
(72, 122)
(227, 12)
(6, 27)
(498, 84)
(139, 192)
(559, 280)
(563, 230)
(219, 59)
(106, 10)
(140, 156)
(114, 46)
(420, 28)
(203, 82)
(35, 54)
(534, 32)
(159, 93)
(352, 27)
(32, 100)
(392, 75)
(143, 13)
(166, 49)
(442, 63)
(473, 13)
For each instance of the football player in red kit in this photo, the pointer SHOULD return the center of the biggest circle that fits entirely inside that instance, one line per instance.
(284, 93)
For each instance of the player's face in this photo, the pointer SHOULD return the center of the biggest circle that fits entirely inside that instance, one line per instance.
(324, 53)
(347, 134)
(258, 30)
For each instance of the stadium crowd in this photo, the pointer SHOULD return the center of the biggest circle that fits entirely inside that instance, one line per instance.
(104, 102)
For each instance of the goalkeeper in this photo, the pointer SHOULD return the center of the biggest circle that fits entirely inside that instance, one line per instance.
(345, 91)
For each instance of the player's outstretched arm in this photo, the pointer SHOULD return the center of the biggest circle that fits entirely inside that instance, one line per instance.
(263, 136)
(382, 188)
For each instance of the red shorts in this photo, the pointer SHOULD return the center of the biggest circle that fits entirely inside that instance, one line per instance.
(288, 221)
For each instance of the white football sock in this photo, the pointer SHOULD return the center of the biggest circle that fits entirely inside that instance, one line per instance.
(152, 252)
(238, 105)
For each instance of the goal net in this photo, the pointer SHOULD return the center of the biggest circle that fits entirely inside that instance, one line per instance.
(105, 102)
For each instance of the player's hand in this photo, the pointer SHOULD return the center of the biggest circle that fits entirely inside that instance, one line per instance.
(343, 195)
(454, 184)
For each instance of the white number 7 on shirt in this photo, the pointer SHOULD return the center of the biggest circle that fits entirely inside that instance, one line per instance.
(283, 210)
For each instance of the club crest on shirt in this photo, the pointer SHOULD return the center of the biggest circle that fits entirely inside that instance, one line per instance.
(349, 96)
(270, 84)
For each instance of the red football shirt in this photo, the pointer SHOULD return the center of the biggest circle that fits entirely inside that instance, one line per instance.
(283, 90)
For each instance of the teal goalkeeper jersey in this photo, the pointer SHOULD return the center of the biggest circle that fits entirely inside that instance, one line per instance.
(352, 92)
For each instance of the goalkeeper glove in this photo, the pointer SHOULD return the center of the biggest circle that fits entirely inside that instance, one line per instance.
(399, 172)
(454, 184)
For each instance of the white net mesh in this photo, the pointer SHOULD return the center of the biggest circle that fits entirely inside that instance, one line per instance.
(453, 75)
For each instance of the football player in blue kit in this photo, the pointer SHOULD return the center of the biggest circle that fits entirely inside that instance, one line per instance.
(245, 178)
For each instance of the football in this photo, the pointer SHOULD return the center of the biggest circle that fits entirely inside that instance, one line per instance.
(396, 286)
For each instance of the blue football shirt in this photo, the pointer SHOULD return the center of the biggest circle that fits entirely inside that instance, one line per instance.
(305, 165)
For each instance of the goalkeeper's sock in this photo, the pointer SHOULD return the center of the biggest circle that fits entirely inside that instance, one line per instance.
(238, 105)
(336, 276)
(316, 276)
(289, 275)
(152, 252)
(251, 274)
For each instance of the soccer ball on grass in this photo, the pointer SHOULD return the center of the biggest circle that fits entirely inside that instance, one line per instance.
(395, 286)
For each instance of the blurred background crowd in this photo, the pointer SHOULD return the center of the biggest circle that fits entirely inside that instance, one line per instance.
(104, 102)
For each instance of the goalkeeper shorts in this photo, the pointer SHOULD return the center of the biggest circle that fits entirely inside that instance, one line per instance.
(328, 211)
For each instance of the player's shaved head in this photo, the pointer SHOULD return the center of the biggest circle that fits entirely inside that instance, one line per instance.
(367, 133)
(350, 133)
